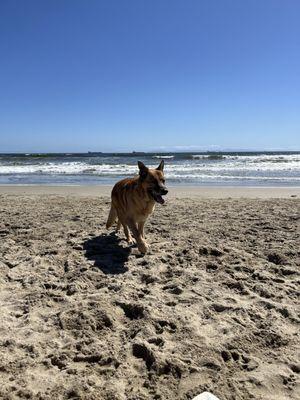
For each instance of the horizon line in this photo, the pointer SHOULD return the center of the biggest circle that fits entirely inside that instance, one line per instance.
(155, 151)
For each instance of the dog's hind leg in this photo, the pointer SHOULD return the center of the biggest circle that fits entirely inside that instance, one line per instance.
(111, 217)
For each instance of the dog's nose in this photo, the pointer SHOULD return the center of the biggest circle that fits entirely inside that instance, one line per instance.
(164, 191)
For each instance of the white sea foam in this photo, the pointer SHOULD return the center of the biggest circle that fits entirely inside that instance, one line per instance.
(128, 169)
(67, 168)
(164, 157)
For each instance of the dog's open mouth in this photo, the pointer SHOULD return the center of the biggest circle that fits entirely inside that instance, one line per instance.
(157, 197)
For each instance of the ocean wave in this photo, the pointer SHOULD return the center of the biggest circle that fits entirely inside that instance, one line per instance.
(248, 158)
(195, 168)
(164, 157)
(215, 177)
(208, 157)
(180, 168)
(68, 168)
(132, 157)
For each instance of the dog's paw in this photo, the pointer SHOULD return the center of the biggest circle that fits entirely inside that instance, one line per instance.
(130, 240)
(143, 247)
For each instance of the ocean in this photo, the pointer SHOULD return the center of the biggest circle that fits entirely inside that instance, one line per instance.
(207, 168)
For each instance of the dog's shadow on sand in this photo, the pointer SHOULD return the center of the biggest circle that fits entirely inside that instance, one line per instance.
(107, 253)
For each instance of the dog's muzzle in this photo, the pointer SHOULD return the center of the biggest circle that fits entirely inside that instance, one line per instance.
(157, 196)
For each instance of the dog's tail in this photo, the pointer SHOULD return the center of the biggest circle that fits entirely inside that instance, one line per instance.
(111, 217)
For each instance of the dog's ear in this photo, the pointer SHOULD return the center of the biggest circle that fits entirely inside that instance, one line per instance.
(143, 170)
(161, 166)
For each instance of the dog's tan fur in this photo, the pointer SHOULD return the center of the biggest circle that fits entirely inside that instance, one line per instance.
(133, 200)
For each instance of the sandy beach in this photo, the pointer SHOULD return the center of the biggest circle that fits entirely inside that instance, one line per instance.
(210, 192)
(213, 306)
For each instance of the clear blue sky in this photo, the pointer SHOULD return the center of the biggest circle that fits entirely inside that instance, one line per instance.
(148, 75)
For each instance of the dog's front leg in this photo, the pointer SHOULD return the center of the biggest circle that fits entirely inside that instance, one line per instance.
(118, 226)
(141, 244)
(127, 234)
(141, 228)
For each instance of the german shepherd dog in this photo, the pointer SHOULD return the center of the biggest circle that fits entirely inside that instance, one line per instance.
(133, 200)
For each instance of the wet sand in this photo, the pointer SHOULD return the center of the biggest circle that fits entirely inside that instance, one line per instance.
(213, 306)
(175, 191)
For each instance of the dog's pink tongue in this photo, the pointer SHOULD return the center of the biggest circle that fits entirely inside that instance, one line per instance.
(160, 200)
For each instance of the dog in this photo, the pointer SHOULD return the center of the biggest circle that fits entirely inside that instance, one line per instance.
(133, 201)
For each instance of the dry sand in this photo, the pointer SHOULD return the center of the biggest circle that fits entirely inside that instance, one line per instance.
(213, 306)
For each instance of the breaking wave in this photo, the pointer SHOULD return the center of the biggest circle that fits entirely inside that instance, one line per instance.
(194, 168)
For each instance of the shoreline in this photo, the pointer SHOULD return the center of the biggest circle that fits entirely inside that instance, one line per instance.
(174, 191)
